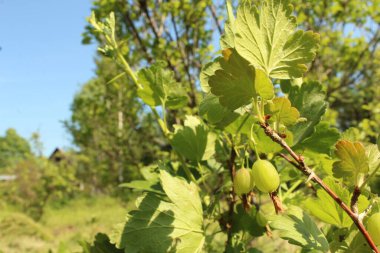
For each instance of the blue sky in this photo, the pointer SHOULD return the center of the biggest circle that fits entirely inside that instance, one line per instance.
(42, 66)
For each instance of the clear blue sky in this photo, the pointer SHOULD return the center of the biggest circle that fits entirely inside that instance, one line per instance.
(42, 66)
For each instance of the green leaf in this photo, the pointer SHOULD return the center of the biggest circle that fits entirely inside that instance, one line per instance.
(266, 37)
(246, 221)
(234, 82)
(227, 39)
(101, 245)
(282, 112)
(263, 85)
(322, 140)
(309, 99)
(352, 163)
(193, 140)
(327, 210)
(143, 185)
(378, 142)
(299, 229)
(160, 88)
(208, 70)
(352, 134)
(213, 111)
(265, 144)
(241, 125)
(373, 155)
(160, 225)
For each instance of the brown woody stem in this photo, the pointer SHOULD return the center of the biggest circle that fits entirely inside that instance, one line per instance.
(300, 165)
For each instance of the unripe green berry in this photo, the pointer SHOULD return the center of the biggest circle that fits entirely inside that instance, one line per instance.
(373, 227)
(260, 219)
(265, 176)
(243, 182)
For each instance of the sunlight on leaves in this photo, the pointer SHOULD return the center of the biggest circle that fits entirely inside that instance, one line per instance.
(160, 88)
(193, 140)
(327, 210)
(266, 36)
(299, 229)
(160, 225)
(353, 161)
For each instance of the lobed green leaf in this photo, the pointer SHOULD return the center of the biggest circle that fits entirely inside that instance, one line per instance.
(266, 37)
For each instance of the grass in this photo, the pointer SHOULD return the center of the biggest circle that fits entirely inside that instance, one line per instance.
(61, 228)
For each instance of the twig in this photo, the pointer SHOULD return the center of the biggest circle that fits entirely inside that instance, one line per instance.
(214, 16)
(300, 165)
(232, 199)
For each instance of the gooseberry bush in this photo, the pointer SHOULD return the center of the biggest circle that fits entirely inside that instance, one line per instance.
(256, 166)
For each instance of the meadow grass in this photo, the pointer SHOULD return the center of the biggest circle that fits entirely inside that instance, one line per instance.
(61, 227)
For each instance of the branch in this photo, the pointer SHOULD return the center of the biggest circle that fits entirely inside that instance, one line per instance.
(214, 16)
(186, 62)
(300, 165)
(232, 199)
(137, 36)
(153, 25)
(346, 79)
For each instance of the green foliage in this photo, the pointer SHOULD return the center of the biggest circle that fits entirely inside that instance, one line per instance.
(214, 112)
(100, 245)
(298, 228)
(322, 140)
(13, 148)
(282, 112)
(193, 140)
(37, 181)
(353, 161)
(327, 210)
(309, 99)
(160, 88)
(266, 37)
(160, 225)
(233, 81)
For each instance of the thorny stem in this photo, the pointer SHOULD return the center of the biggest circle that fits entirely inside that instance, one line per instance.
(299, 163)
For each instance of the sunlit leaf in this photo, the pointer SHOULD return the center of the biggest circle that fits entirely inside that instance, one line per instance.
(234, 82)
(213, 111)
(299, 229)
(266, 36)
(227, 40)
(193, 140)
(353, 161)
(164, 225)
(326, 209)
(101, 244)
(373, 155)
(309, 99)
(143, 185)
(160, 88)
(322, 140)
(282, 112)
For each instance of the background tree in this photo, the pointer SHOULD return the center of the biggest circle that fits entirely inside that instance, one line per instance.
(13, 148)
(111, 128)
